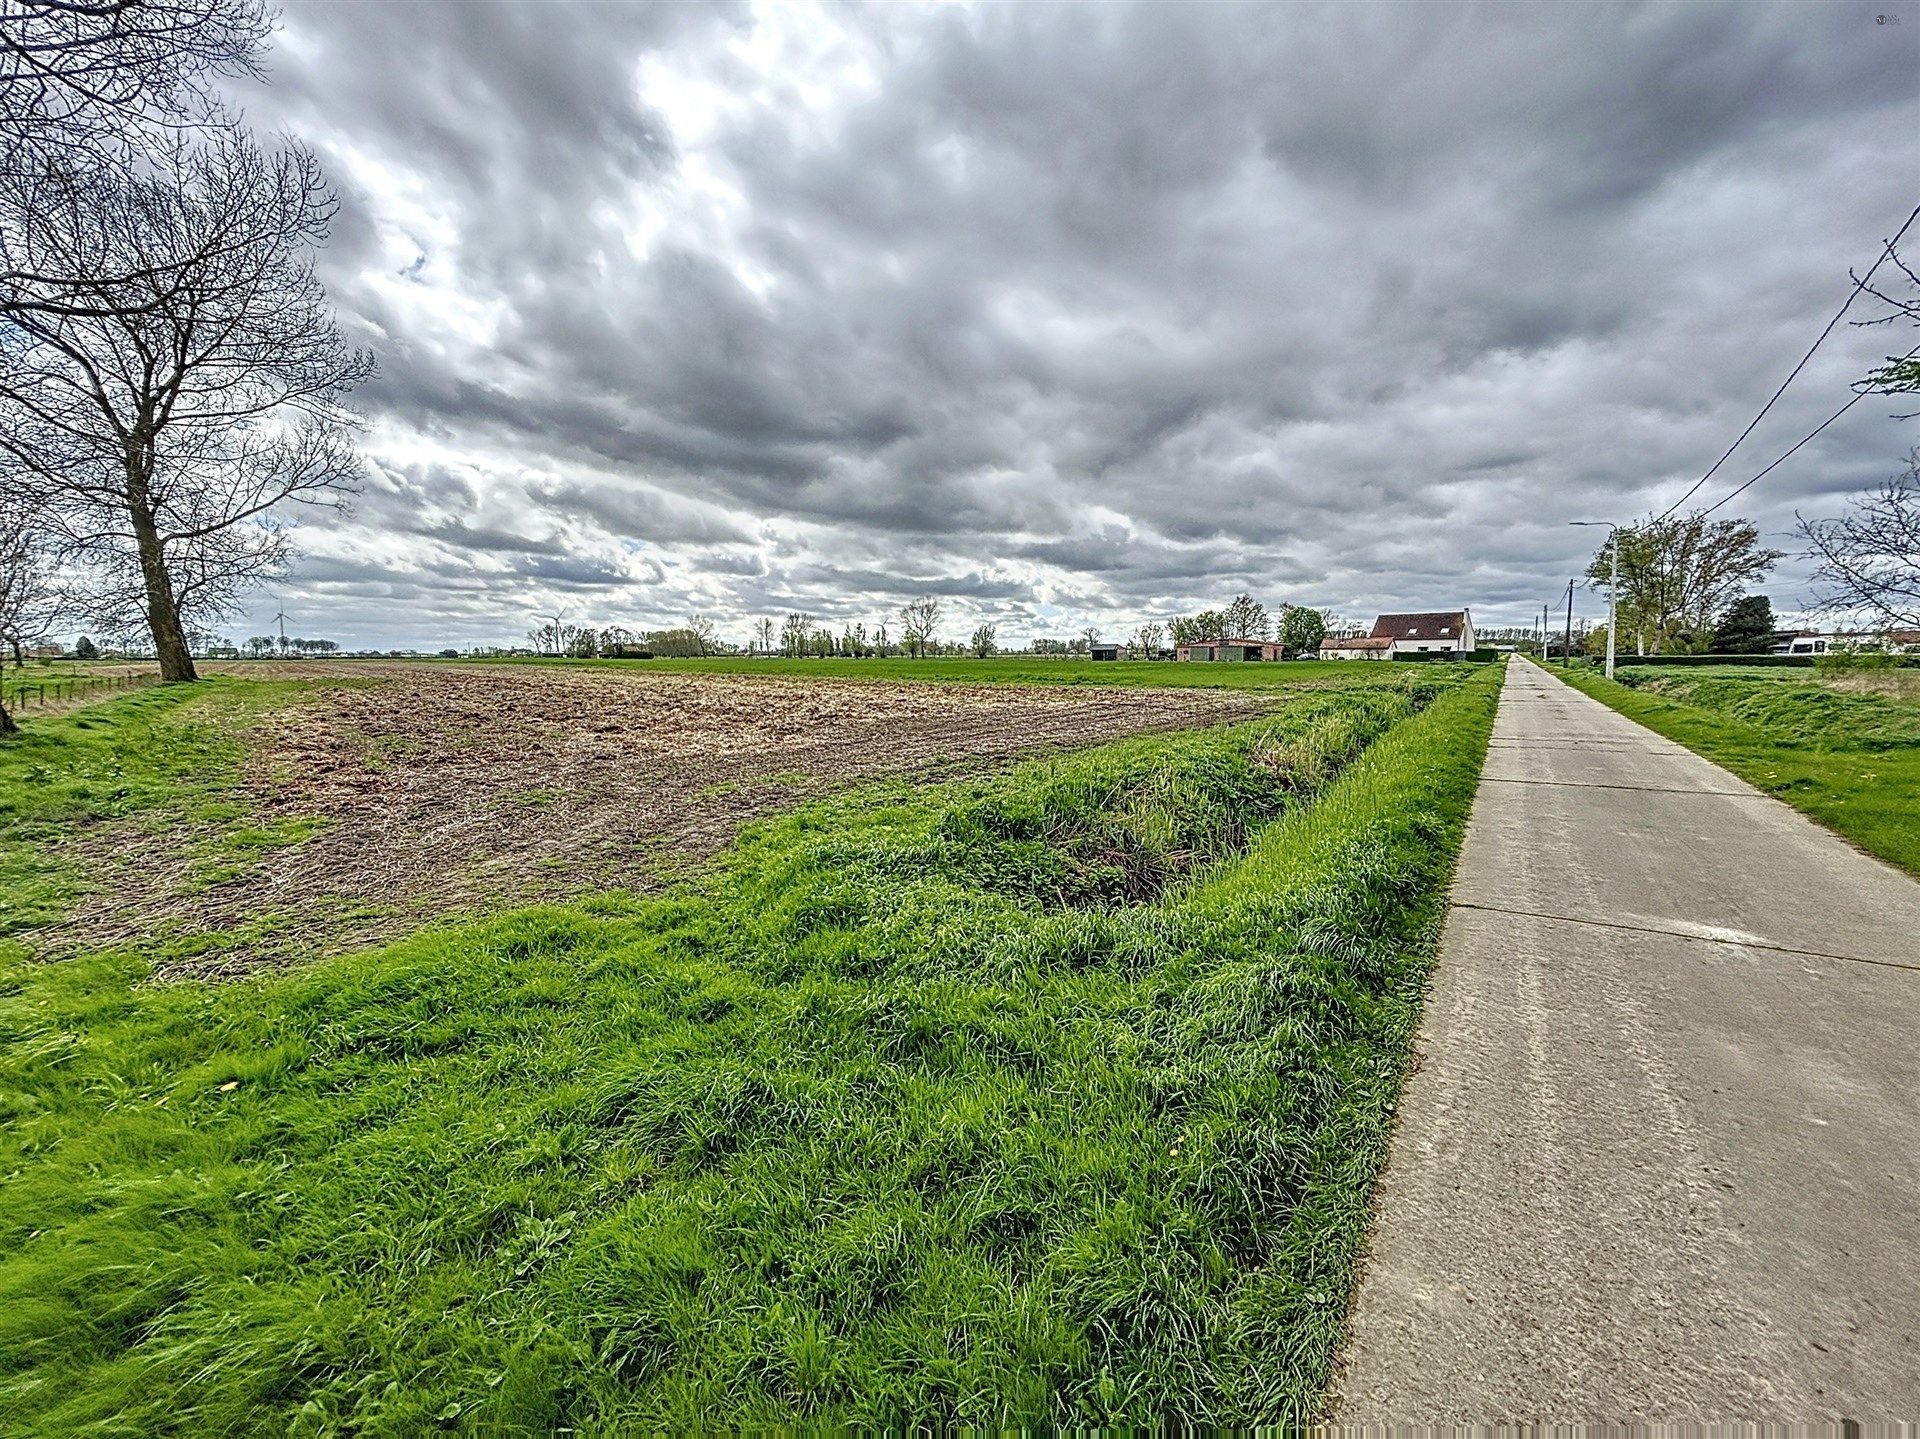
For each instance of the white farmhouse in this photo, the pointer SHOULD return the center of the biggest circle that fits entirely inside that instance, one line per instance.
(1437, 632)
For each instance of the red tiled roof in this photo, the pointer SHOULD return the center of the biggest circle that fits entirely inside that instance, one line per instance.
(1428, 625)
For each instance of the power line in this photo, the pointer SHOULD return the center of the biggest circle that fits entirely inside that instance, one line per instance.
(1853, 294)
(1803, 440)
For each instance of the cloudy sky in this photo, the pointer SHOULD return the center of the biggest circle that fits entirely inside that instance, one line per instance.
(1075, 313)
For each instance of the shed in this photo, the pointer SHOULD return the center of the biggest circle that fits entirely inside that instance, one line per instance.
(1230, 649)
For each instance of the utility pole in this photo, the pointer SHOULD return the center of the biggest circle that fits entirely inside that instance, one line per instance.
(1568, 657)
(1613, 590)
(1613, 601)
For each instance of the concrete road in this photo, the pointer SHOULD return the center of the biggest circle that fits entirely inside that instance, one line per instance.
(1661, 1155)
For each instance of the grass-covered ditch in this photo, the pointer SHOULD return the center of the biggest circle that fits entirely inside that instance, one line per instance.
(1053, 1096)
(1822, 740)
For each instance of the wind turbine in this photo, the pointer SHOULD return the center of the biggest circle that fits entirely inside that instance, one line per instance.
(555, 617)
(280, 618)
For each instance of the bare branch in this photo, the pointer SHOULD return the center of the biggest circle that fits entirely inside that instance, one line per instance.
(1869, 557)
(209, 386)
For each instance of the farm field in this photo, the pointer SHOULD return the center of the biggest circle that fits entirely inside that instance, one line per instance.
(362, 797)
(965, 1083)
(1842, 747)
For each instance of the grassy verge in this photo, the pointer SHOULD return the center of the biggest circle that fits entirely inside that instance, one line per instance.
(1850, 761)
(1051, 1097)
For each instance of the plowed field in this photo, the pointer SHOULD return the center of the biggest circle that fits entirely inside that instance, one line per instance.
(426, 791)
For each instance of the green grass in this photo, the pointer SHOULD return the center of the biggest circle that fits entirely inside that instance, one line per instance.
(1015, 669)
(167, 754)
(1850, 761)
(1051, 1097)
(164, 758)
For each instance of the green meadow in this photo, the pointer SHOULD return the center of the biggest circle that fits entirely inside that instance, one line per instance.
(1850, 760)
(1052, 1096)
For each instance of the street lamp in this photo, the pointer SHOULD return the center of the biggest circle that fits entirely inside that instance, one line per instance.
(1613, 587)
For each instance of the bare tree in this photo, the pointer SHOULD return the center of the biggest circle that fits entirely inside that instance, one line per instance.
(1147, 639)
(82, 75)
(763, 631)
(796, 632)
(29, 597)
(983, 642)
(1869, 557)
(555, 637)
(918, 620)
(89, 88)
(168, 432)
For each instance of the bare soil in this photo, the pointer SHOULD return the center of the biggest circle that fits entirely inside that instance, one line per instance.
(432, 791)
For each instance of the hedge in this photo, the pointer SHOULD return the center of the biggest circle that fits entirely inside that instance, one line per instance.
(1475, 657)
(1744, 661)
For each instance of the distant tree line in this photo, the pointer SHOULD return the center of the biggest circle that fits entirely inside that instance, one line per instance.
(913, 631)
(260, 646)
(698, 637)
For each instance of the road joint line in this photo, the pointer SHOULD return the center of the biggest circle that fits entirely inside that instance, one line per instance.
(1636, 788)
(1679, 934)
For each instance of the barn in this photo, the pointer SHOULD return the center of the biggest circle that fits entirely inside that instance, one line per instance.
(1240, 649)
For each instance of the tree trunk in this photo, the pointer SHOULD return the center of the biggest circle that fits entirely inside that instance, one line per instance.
(163, 614)
(7, 726)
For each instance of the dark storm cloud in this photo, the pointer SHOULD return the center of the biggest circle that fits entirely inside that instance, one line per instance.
(1107, 309)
